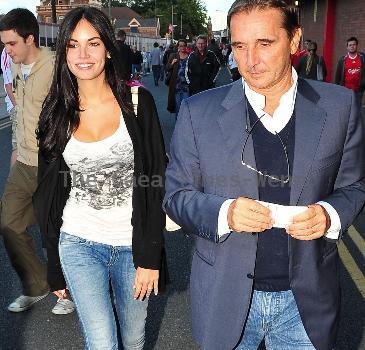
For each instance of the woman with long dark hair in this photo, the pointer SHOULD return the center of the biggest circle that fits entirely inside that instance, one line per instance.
(101, 180)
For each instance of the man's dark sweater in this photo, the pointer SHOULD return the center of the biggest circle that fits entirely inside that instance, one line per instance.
(272, 258)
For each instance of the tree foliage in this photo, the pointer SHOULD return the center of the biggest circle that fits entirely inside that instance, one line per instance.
(194, 14)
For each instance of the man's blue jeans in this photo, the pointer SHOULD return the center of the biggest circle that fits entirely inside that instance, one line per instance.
(136, 68)
(88, 268)
(180, 95)
(275, 317)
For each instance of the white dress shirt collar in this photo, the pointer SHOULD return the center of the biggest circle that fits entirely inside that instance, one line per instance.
(282, 114)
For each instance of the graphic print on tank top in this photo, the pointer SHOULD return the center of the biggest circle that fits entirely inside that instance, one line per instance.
(101, 172)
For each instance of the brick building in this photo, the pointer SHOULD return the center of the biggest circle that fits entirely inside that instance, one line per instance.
(121, 17)
(44, 10)
(330, 23)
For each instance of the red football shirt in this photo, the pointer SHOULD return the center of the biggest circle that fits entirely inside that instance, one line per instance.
(297, 56)
(352, 72)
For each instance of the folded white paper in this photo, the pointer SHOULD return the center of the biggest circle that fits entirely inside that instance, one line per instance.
(283, 214)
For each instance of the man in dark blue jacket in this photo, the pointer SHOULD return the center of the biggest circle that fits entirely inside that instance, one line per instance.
(202, 67)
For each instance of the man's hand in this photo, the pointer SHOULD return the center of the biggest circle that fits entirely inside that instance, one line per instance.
(145, 282)
(13, 158)
(246, 215)
(311, 224)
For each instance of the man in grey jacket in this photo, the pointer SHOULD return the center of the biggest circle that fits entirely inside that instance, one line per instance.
(156, 62)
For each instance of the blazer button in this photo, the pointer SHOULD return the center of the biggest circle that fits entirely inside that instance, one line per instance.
(250, 276)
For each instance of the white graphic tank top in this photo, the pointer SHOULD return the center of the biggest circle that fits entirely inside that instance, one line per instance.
(99, 208)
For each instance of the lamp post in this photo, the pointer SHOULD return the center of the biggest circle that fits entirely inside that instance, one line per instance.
(172, 22)
(54, 13)
(181, 27)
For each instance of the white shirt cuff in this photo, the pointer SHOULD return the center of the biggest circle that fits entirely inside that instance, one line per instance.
(223, 227)
(335, 228)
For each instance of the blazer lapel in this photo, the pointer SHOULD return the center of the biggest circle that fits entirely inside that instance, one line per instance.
(309, 124)
(232, 123)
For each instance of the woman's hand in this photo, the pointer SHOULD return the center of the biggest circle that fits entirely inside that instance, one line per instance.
(174, 61)
(145, 282)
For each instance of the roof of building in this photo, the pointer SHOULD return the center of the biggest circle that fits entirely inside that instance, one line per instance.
(144, 22)
(121, 13)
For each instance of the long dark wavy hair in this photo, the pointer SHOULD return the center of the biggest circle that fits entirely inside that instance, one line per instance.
(60, 115)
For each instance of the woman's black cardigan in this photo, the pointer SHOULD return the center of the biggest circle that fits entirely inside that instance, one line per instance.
(148, 218)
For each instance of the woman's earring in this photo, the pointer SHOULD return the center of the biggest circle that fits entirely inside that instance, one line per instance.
(108, 55)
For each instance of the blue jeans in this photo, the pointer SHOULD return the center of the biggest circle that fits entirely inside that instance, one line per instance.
(180, 95)
(275, 317)
(89, 268)
(136, 68)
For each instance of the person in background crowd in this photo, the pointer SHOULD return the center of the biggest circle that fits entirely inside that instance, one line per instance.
(125, 52)
(6, 62)
(350, 70)
(202, 67)
(189, 48)
(233, 69)
(213, 46)
(137, 60)
(166, 55)
(162, 70)
(312, 66)
(240, 154)
(224, 54)
(92, 203)
(146, 61)
(229, 50)
(300, 53)
(156, 63)
(32, 74)
(178, 87)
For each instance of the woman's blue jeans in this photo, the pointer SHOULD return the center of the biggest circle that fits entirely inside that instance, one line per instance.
(275, 317)
(180, 95)
(90, 268)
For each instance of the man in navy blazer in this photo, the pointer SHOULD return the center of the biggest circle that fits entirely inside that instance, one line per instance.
(296, 145)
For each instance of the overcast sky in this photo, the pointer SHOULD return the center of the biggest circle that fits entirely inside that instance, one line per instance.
(217, 9)
(7, 5)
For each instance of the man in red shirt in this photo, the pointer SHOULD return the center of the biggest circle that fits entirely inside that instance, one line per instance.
(351, 69)
(300, 53)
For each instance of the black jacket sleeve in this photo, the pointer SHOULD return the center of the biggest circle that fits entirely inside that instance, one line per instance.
(324, 68)
(48, 201)
(216, 65)
(154, 165)
(339, 72)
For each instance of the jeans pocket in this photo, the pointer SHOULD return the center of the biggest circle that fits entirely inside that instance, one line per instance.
(66, 239)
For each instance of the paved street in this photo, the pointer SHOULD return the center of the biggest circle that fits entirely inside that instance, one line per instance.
(168, 325)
